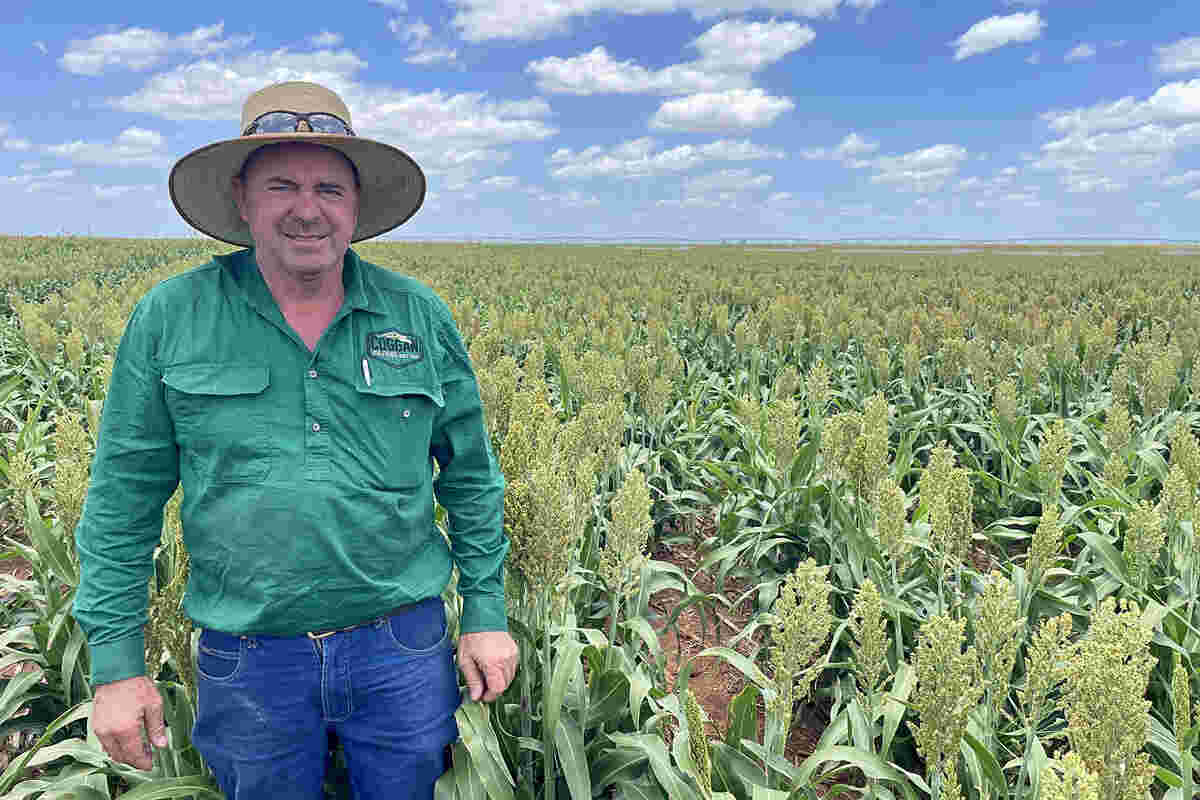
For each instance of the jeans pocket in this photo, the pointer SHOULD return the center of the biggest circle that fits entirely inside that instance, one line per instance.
(219, 656)
(421, 628)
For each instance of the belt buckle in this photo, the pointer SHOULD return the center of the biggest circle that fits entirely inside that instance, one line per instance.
(318, 636)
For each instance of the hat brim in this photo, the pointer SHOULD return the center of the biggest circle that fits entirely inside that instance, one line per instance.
(392, 186)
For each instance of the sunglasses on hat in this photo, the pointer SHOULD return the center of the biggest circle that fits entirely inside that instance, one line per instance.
(289, 121)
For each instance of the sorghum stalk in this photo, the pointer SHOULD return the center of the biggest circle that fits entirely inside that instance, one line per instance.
(1107, 714)
(1181, 699)
(947, 689)
(999, 632)
(803, 622)
(870, 646)
(1042, 675)
(549, 780)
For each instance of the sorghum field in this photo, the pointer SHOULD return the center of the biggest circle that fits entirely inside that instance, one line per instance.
(938, 509)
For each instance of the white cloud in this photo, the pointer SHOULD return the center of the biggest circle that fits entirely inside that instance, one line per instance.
(850, 149)
(133, 147)
(1173, 102)
(112, 192)
(42, 47)
(1186, 179)
(433, 55)
(399, 6)
(500, 182)
(37, 182)
(738, 46)
(923, 171)
(729, 52)
(1181, 56)
(1193, 195)
(637, 158)
(1140, 149)
(1080, 52)
(325, 39)
(479, 20)
(1084, 184)
(142, 48)
(213, 90)
(997, 187)
(779, 198)
(728, 180)
(423, 48)
(597, 72)
(551, 202)
(727, 188)
(995, 32)
(414, 31)
(733, 109)
(12, 143)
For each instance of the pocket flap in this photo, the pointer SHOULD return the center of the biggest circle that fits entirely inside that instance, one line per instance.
(398, 389)
(218, 379)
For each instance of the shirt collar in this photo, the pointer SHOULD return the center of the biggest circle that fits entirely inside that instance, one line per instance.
(360, 293)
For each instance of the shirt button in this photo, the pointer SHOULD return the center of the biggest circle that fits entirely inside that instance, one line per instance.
(316, 427)
(407, 412)
(312, 373)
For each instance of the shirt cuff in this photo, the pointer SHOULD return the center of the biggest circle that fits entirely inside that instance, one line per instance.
(116, 661)
(483, 612)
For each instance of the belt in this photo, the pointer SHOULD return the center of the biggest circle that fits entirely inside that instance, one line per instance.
(331, 631)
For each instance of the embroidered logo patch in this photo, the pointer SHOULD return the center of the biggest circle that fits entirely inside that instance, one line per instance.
(395, 348)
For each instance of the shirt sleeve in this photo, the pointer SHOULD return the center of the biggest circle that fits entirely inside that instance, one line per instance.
(470, 487)
(134, 472)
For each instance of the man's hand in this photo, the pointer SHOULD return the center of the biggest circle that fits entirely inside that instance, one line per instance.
(121, 711)
(488, 660)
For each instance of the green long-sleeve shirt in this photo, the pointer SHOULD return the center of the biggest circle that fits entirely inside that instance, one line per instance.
(307, 475)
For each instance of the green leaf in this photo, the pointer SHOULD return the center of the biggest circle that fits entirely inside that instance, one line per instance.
(640, 790)
(743, 716)
(466, 778)
(50, 547)
(639, 687)
(660, 763)
(733, 770)
(1113, 561)
(649, 637)
(568, 746)
(566, 665)
(17, 694)
(988, 763)
(776, 762)
(612, 764)
(731, 657)
(894, 707)
(870, 764)
(77, 749)
(609, 698)
(487, 765)
(168, 788)
(75, 646)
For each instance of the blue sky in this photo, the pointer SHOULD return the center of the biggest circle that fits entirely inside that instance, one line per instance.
(709, 119)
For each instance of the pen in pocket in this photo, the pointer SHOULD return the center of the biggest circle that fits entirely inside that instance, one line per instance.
(366, 372)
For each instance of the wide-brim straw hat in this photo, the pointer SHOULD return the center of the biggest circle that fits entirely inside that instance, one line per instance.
(392, 186)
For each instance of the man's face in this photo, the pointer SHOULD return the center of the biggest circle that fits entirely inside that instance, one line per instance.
(301, 204)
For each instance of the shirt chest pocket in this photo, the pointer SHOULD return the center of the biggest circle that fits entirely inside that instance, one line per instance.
(220, 414)
(403, 414)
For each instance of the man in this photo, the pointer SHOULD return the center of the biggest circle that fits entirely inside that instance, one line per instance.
(301, 396)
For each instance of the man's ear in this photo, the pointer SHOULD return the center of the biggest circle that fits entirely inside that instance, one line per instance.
(239, 197)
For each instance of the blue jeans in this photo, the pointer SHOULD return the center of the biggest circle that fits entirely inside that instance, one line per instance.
(388, 690)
